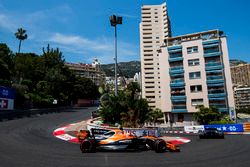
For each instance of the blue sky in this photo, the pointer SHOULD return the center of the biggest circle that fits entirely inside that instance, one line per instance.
(81, 28)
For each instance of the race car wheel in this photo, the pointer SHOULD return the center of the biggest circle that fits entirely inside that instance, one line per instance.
(160, 146)
(87, 146)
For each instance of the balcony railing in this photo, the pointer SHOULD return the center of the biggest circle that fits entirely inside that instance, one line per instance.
(223, 109)
(176, 70)
(175, 98)
(215, 77)
(212, 54)
(211, 45)
(214, 91)
(210, 42)
(177, 50)
(176, 47)
(214, 66)
(175, 55)
(175, 59)
(214, 84)
(218, 105)
(179, 108)
(216, 98)
(216, 95)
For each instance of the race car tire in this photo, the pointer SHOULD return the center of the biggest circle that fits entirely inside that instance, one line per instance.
(87, 146)
(160, 146)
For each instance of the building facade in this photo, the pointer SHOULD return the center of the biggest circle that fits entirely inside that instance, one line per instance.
(241, 74)
(195, 71)
(154, 29)
(242, 97)
(90, 71)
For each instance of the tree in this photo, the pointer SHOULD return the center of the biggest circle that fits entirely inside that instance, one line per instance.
(154, 115)
(126, 108)
(6, 65)
(21, 35)
(205, 115)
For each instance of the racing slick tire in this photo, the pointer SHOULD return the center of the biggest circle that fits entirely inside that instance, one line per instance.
(160, 146)
(87, 146)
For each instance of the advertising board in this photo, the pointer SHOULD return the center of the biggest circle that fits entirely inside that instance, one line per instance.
(227, 127)
(6, 98)
(193, 129)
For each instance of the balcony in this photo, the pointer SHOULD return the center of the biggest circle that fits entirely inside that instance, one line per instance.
(211, 45)
(215, 95)
(176, 70)
(214, 66)
(217, 105)
(215, 79)
(179, 108)
(175, 59)
(216, 98)
(215, 91)
(212, 54)
(210, 42)
(223, 109)
(177, 83)
(175, 51)
(180, 98)
(175, 47)
(215, 84)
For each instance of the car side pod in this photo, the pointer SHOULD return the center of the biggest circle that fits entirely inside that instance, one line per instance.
(88, 146)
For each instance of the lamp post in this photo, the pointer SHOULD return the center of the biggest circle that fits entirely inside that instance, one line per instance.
(114, 20)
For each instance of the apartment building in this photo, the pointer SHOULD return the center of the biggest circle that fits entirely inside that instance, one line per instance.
(90, 71)
(154, 29)
(242, 97)
(195, 71)
(241, 74)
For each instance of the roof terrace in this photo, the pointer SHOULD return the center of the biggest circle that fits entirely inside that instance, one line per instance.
(206, 35)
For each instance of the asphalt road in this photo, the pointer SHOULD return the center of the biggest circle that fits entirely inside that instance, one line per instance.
(28, 142)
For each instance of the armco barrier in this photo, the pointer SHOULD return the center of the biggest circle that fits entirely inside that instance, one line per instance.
(12, 114)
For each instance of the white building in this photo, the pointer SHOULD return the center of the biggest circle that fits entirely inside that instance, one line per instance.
(195, 71)
(154, 29)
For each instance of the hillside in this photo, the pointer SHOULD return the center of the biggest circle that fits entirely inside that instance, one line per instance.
(127, 69)
(235, 62)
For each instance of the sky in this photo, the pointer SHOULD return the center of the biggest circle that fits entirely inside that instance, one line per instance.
(82, 31)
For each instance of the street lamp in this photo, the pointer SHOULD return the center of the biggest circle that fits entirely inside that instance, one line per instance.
(114, 20)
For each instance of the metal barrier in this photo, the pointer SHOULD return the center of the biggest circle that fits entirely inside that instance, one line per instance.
(12, 114)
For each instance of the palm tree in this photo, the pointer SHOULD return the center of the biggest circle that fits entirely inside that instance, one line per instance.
(21, 35)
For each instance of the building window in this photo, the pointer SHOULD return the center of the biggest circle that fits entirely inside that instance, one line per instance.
(196, 88)
(193, 62)
(194, 75)
(193, 49)
(197, 102)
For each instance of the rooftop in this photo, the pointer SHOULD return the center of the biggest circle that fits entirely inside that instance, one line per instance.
(205, 35)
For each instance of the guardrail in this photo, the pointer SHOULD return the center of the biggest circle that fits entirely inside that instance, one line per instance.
(12, 114)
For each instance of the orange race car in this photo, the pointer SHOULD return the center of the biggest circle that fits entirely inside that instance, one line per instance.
(116, 139)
